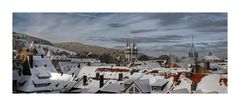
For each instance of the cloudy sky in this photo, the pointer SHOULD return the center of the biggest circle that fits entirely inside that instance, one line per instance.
(155, 33)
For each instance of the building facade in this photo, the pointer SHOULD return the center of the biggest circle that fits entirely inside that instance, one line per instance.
(131, 51)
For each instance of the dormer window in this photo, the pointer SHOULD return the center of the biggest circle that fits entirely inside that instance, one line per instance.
(57, 84)
(21, 83)
(65, 86)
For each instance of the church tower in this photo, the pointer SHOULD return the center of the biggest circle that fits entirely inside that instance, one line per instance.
(193, 53)
(134, 50)
(128, 51)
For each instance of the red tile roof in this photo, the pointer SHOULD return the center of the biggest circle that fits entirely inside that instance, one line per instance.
(196, 78)
(112, 70)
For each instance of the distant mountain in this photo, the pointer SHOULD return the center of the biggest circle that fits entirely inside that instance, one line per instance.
(17, 35)
(84, 49)
(77, 47)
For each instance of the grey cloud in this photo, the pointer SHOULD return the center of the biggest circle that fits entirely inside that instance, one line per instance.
(97, 39)
(167, 18)
(112, 29)
(212, 30)
(202, 44)
(160, 39)
(116, 25)
(142, 31)
(209, 23)
(218, 44)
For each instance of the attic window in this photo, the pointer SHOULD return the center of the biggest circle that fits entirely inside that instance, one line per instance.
(136, 90)
(42, 84)
(57, 84)
(65, 86)
(131, 90)
(22, 83)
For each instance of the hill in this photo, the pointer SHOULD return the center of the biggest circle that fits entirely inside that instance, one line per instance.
(37, 40)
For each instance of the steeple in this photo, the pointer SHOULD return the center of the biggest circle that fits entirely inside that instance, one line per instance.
(134, 50)
(134, 43)
(128, 51)
(131, 51)
(193, 53)
(128, 43)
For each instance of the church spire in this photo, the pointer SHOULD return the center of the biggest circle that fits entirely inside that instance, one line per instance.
(193, 53)
(128, 43)
(134, 43)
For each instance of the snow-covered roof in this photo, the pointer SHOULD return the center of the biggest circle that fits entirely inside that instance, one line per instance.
(186, 62)
(136, 76)
(44, 63)
(85, 60)
(59, 57)
(43, 73)
(184, 84)
(160, 82)
(68, 67)
(152, 79)
(220, 69)
(210, 83)
(144, 85)
(56, 49)
(114, 88)
(40, 50)
(37, 81)
(183, 90)
(211, 57)
(151, 64)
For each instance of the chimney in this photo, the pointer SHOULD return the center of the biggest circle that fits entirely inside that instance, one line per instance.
(120, 76)
(42, 56)
(193, 86)
(26, 68)
(19, 72)
(97, 75)
(79, 65)
(101, 81)
(206, 65)
(84, 80)
(31, 60)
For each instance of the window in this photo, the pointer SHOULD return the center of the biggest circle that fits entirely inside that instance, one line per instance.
(21, 83)
(126, 85)
(44, 84)
(136, 90)
(155, 88)
(57, 84)
(65, 86)
(131, 90)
